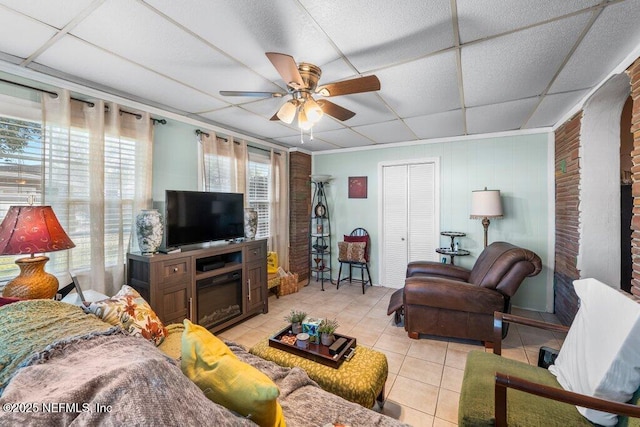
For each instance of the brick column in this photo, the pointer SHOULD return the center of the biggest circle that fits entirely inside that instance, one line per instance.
(634, 75)
(567, 167)
(299, 213)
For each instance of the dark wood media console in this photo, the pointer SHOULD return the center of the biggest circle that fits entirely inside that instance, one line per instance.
(216, 287)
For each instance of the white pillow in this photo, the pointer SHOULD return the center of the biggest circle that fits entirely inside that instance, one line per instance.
(599, 357)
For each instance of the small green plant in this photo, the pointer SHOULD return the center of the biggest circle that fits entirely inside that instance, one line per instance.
(328, 326)
(295, 316)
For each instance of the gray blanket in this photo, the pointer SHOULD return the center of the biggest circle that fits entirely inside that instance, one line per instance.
(305, 404)
(110, 380)
(116, 380)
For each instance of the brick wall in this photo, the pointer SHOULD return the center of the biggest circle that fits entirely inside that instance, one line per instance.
(634, 75)
(567, 168)
(299, 213)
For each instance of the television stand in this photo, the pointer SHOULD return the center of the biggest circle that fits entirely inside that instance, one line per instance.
(178, 286)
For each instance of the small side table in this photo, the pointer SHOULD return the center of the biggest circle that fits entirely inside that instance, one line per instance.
(452, 252)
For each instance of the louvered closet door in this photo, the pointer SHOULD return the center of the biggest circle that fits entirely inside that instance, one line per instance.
(409, 218)
(421, 213)
(394, 231)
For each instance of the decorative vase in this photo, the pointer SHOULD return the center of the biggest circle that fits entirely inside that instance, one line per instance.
(250, 223)
(149, 229)
(296, 328)
(327, 339)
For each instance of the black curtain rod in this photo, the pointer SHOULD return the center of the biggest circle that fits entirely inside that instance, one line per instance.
(89, 103)
(199, 132)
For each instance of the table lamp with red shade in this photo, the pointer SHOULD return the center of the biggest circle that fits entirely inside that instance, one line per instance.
(31, 230)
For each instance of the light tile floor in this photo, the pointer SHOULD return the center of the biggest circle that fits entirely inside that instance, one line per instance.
(425, 375)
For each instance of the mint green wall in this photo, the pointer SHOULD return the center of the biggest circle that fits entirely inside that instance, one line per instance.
(175, 158)
(515, 165)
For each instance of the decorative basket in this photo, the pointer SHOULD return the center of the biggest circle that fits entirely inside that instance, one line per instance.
(289, 284)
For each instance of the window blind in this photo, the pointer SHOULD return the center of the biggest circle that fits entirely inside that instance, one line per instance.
(259, 174)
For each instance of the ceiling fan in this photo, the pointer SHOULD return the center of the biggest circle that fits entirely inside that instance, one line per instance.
(302, 84)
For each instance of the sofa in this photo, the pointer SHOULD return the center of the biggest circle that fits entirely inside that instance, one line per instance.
(61, 366)
(448, 300)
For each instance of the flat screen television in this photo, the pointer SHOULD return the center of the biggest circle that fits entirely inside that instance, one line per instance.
(198, 217)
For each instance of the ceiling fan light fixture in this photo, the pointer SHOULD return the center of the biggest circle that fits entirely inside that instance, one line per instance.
(312, 110)
(287, 112)
(303, 122)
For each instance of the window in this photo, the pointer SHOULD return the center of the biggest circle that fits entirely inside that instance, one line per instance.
(20, 172)
(259, 177)
(58, 173)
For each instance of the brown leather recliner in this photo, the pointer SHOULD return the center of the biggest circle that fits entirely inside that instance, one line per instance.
(447, 300)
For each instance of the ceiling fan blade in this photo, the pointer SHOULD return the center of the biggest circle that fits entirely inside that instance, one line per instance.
(287, 67)
(275, 117)
(346, 87)
(252, 94)
(335, 110)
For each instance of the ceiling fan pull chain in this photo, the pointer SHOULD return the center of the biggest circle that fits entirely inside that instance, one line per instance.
(301, 140)
(311, 134)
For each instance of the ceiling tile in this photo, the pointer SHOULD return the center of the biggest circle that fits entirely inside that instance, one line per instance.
(163, 47)
(517, 65)
(368, 107)
(499, 117)
(113, 72)
(449, 123)
(246, 29)
(55, 13)
(237, 118)
(481, 19)
(316, 145)
(554, 107)
(344, 138)
(382, 133)
(21, 36)
(384, 33)
(612, 37)
(425, 86)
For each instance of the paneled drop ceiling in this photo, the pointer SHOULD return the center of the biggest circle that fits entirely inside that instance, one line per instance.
(447, 67)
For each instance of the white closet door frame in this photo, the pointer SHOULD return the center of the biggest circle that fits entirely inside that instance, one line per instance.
(435, 161)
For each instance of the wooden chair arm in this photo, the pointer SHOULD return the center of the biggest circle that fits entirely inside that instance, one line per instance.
(504, 381)
(499, 318)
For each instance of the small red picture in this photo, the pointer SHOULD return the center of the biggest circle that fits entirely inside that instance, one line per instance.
(357, 187)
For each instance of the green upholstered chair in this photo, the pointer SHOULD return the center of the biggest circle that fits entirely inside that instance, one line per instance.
(500, 391)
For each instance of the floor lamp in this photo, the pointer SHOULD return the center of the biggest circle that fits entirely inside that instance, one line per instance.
(485, 204)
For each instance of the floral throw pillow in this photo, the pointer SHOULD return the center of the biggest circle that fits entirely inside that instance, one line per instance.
(129, 310)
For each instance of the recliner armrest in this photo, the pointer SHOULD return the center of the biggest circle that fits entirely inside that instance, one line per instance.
(430, 268)
(451, 294)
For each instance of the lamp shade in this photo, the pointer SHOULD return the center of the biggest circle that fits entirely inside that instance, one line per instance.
(287, 112)
(486, 204)
(30, 230)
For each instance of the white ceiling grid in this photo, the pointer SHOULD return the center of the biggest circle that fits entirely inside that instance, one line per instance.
(522, 64)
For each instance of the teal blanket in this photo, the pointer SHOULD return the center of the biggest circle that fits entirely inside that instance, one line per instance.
(28, 327)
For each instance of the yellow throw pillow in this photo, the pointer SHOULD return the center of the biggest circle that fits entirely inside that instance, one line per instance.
(226, 380)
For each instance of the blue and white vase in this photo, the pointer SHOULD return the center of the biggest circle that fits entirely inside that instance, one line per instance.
(149, 229)
(250, 223)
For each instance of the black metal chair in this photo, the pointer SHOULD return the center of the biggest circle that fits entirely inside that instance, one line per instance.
(359, 235)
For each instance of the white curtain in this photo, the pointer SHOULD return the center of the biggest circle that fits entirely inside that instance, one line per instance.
(224, 163)
(98, 167)
(279, 197)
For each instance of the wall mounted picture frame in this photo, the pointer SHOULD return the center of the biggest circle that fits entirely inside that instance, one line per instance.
(357, 187)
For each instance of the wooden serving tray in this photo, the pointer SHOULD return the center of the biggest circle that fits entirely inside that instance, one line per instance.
(316, 352)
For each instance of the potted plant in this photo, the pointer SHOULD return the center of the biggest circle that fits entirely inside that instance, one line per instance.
(326, 329)
(296, 318)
